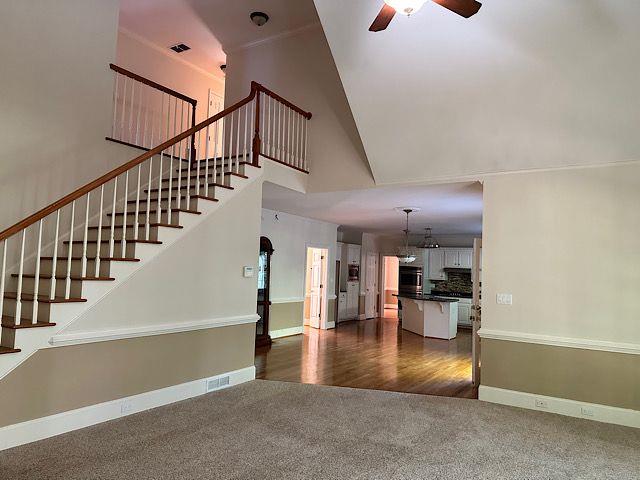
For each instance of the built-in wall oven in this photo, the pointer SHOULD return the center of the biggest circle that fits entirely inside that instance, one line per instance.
(410, 279)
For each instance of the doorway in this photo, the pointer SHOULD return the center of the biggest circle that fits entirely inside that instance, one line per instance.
(264, 281)
(315, 298)
(371, 286)
(390, 269)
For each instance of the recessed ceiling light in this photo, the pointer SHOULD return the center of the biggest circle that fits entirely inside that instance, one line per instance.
(259, 18)
(180, 47)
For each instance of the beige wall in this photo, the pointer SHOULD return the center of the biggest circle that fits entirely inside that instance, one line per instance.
(135, 54)
(301, 69)
(566, 245)
(56, 101)
(286, 315)
(55, 380)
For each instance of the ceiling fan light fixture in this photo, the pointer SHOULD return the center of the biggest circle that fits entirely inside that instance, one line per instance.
(406, 7)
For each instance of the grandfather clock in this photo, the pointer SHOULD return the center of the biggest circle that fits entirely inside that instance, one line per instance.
(264, 274)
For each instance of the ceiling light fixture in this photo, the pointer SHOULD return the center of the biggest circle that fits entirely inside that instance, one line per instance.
(405, 253)
(405, 7)
(429, 241)
(259, 18)
(180, 47)
(223, 67)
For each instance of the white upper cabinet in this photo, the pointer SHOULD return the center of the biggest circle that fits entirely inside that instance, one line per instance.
(353, 254)
(465, 257)
(458, 257)
(450, 257)
(436, 264)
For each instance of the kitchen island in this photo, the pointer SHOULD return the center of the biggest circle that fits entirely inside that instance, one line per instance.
(429, 316)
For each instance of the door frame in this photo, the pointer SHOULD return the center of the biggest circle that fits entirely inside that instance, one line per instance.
(376, 283)
(382, 281)
(324, 297)
(476, 312)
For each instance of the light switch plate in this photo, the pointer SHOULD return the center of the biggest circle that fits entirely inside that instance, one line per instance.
(247, 272)
(504, 299)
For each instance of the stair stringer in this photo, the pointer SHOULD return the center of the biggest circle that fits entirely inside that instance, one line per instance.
(66, 314)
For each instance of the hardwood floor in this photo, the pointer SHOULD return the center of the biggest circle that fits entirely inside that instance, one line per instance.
(372, 354)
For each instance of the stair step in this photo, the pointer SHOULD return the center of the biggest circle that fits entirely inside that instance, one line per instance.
(5, 350)
(28, 297)
(91, 242)
(9, 322)
(208, 175)
(102, 259)
(62, 277)
(194, 212)
(131, 225)
(166, 189)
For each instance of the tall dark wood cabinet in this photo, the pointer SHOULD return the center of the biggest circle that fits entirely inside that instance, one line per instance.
(264, 304)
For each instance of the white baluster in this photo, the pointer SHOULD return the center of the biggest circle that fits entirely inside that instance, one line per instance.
(290, 138)
(36, 284)
(231, 132)
(100, 213)
(280, 133)
(237, 159)
(171, 157)
(246, 126)
(86, 234)
(189, 159)
(112, 235)
(67, 287)
(115, 106)
(136, 219)
(223, 121)
(133, 91)
(147, 222)
(20, 273)
(124, 107)
(267, 131)
(216, 134)
(123, 240)
(147, 106)
(306, 142)
(180, 156)
(140, 93)
(54, 261)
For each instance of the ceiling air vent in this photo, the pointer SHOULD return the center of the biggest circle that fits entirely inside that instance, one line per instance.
(180, 47)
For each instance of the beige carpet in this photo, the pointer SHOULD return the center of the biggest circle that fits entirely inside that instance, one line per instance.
(277, 430)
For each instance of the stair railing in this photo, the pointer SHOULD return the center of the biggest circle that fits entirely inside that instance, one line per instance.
(125, 203)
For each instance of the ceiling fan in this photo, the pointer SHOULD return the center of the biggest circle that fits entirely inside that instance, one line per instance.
(465, 8)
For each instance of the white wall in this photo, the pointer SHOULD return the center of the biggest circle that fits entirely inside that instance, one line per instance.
(566, 245)
(290, 236)
(138, 55)
(300, 68)
(56, 101)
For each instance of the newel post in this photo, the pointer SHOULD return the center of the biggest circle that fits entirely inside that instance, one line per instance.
(256, 133)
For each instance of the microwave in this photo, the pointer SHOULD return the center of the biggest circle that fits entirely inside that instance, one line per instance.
(353, 272)
(410, 279)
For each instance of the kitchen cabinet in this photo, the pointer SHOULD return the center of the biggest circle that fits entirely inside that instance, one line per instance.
(458, 257)
(353, 254)
(353, 300)
(436, 264)
(464, 312)
(342, 306)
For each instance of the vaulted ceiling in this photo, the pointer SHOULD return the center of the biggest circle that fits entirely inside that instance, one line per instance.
(522, 85)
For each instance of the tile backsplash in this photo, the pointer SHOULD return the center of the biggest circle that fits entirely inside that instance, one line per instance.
(457, 282)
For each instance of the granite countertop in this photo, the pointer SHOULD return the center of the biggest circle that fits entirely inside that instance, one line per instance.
(426, 298)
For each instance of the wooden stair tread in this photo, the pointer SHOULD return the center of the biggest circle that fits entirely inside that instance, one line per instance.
(140, 225)
(28, 297)
(81, 242)
(183, 210)
(102, 259)
(5, 350)
(62, 277)
(164, 189)
(209, 175)
(9, 322)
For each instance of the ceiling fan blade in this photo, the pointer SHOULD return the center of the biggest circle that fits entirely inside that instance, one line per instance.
(466, 8)
(383, 19)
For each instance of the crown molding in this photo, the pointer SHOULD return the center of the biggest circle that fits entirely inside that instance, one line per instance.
(148, 43)
(272, 38)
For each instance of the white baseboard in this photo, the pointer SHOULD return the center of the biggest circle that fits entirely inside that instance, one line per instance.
(561, 406)
(286, 332)
(45, 427)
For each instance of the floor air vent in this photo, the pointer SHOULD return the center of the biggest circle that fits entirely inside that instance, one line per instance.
(217, 383)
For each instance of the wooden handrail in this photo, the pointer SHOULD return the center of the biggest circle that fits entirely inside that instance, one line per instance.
(80, 192)
(152, 84)
(265, 90)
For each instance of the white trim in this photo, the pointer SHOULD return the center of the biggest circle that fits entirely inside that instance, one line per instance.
(168, 53)
(288, 300)
(332, 296)
(286, 332)
(277, 36)
(45, 427)
(561, 406)
(64, 339)
(582, 343)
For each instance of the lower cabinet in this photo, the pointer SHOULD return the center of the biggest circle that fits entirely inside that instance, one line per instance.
(464, 312)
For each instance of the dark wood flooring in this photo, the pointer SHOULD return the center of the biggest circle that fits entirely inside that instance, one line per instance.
(371, 354)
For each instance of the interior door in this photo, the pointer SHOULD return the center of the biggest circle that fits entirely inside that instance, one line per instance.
(315, 290)
(371, 292)
(476, 310)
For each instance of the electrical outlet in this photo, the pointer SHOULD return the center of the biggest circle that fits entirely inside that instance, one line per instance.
(587, 412)
(504, 299)
(541, 403)
(126, 408)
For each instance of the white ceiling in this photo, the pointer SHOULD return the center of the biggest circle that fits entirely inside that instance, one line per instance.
(524, 84)
(211, 27)
(451, 209)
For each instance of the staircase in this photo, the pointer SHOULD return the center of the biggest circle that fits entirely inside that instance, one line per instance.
(65, 258)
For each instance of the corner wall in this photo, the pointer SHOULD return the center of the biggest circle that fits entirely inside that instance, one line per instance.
(566, 245)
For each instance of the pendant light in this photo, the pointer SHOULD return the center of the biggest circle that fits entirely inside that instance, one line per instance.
(429, 241)
(406, 254)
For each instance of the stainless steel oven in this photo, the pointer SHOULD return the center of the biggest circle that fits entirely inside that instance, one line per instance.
(410, 279)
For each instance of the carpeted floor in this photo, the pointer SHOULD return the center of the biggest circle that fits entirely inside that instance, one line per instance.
(277, 430)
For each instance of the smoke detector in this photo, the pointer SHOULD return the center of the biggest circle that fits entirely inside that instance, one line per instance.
(259, 18)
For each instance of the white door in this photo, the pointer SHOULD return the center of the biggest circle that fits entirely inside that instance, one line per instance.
(371, 285)
(315, 290)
